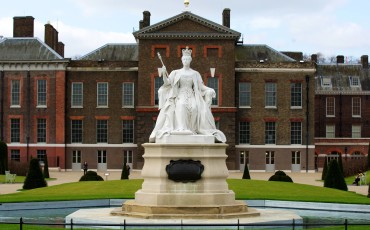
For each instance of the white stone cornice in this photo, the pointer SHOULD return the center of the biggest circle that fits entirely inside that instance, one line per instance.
(275, 70)
(103, 69)
(33, 65)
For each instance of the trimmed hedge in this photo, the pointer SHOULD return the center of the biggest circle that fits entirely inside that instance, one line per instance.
(34, 178)
(91, 176)
(280, 176)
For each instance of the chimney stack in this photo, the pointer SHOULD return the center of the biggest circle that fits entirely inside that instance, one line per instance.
(146, 19)
(52, 40)
(365, 61)
(340, 59)
(60, 49)
(226, 17)
(23, 26)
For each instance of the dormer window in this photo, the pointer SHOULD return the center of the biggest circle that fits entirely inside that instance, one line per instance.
(326, 82)
(354, 81)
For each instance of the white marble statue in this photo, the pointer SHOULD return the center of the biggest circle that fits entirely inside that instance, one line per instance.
(185, 104)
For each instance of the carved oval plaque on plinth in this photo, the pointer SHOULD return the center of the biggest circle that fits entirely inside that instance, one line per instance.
(184, 170)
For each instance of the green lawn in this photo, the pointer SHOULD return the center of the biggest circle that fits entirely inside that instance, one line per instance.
(35, 227)
(351, 179)
(244, 189)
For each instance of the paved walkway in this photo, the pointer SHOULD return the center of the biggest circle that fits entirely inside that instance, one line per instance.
(66, 177)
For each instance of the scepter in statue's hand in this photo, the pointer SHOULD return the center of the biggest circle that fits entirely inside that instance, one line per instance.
(163, 66)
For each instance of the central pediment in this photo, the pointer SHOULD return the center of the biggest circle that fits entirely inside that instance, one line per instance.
(189, 26)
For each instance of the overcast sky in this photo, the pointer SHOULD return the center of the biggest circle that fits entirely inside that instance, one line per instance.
(331, 27)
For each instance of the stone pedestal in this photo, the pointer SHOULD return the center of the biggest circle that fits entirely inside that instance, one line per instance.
(207, 198)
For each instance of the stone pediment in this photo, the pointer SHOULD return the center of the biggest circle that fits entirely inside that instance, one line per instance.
(186, 26)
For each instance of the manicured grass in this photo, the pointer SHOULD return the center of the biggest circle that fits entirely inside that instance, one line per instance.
(351, 179)
(244, 189)
(18, 179)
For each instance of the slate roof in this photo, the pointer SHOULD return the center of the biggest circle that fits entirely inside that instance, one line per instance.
(220, 31)
(340, 76)
(114, 52)
(260, 52)
(22, 49)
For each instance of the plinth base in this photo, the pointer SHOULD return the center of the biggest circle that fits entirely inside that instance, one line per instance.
(272, 218)
(238, 210)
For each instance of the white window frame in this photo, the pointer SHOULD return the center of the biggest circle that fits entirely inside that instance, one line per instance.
(76, 156)
(326, 82)
(356, 131)
(327, 106)
(268, 131)
(107, 132)
(271, 93)
(216, 80)
(330, 131)
(354, 81)
(41, 130)
(15, 139)
(353, 106)
(73, 95)
(245, 95)
(15, 94)
(126, 95)
(294, 95)
(82, 131)
(126, 134)
(158, 82)
(105, 104)
(294, 131)
(40, 94)
(247, 132)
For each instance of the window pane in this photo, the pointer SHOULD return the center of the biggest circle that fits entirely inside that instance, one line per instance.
(41, 154)
(245, 94)
(41, 130)
(15, 130)
(296, 94)
(330, 106)
(356, 131)
(270, 133)
(77, 94)
(102, 131)
(16, 92)
(213, 83)
(102, 94)
(244, 133)
(356, 107)
(128, 94)
(296, 132)
(15, 155)
(330, 131)
(76, 156)
(157, 84)
(270, 94)
(41, 92)
(76, 131)
(128, 131)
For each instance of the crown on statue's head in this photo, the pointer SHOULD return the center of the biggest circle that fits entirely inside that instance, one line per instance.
(186, 52)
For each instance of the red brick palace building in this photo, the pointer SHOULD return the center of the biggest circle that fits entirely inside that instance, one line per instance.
(102, 107)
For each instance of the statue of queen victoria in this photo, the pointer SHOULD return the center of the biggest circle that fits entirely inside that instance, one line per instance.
(185, 104)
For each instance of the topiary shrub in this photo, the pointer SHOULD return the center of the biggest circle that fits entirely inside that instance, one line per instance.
(334, 178)
(46, 167)
(280, 176)
(246, 174)
(34, 178)
(3, 157)
(325, 169)
(91, 176)
(125, 172)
